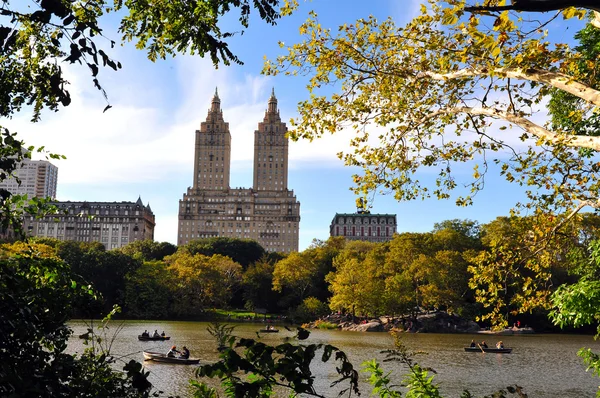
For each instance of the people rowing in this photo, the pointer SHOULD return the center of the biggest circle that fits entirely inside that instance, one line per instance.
(155, 334)
(185, 353)
(145, 334)
(172, 352)
(500, 344)
(175, 353)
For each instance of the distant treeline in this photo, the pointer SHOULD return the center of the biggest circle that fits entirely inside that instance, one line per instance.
(483, 272)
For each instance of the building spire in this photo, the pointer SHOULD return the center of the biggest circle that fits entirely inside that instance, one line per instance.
(272, 102)
(216, 102)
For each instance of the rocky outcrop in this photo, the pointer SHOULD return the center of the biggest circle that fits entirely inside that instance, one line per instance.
(435, 322)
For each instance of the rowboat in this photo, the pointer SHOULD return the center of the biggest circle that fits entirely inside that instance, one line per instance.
(150, 338)
(269, 330)
(489, 349)
(159, 357)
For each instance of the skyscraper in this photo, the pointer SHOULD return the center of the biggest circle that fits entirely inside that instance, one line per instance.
(268, 212)
(38, 179)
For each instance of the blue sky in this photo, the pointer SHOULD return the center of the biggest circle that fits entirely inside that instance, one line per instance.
(143, 146)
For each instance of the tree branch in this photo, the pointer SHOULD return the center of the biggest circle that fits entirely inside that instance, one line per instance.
(524, 123)
(539, 5)
(554, 79)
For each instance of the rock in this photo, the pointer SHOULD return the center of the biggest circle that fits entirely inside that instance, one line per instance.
(374, 326)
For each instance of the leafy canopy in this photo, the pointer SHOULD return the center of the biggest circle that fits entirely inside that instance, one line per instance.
(452, 87)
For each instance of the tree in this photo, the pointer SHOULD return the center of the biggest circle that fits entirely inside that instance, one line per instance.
(446, 68)
(243, 251)
(449, 88)
(295, 274)
(37, 293)
(258, 286)
(200, 282)
(535, 5)
(37, 38)
(148, 250)
(576, 305)
(148, 292)
(515, 274)
(358, 280)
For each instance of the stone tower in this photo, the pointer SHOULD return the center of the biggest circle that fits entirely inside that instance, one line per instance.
(213, 150)
(271, 151)
(267, 213)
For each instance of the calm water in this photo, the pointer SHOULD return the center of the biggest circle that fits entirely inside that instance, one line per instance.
(545, 365)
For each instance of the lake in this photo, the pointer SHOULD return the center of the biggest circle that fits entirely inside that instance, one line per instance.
(546, 365)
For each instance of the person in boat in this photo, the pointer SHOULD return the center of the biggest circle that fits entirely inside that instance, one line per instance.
(473, 343)
(155, 334)
(163, 334)
(483, 344)
(185, 353)
(500, 344)
(172, 352)
(145, 334)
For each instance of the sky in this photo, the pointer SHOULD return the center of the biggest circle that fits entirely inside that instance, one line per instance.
(143, 145)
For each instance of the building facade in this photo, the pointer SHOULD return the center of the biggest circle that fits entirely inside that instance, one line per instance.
(114, 224)
(267, 213)
(364, 226)
(38, 179)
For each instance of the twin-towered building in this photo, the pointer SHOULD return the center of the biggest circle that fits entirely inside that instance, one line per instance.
(267, 213)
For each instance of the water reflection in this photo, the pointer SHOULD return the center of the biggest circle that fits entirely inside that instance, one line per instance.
(545, 365)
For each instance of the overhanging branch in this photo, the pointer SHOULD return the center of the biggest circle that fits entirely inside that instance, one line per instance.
(558, 80)
(539, 5)
(526, 124)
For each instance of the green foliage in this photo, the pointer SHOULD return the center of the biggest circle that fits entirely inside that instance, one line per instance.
(36, 299)
(106, 270)
(381, 382)
(148, 291)
(578, 304)
(180, 26)
(148, 250)
(295, 274)
(200, 282)
(257, 283)
(222, 333)
(518, 270)
(37, 38)
(242, 251)
(568, 111)
(285, 366)
(310, 309)
(321, 324)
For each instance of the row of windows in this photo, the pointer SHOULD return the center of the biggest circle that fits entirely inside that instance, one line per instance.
(370, 232)
(362, 220)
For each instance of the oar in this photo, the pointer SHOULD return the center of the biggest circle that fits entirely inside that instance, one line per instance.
(479, 345)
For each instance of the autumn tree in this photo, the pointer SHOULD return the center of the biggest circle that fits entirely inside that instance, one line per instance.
(294, 277)
(357, 281)
(515, 274)
(461, 84)
(201, 282)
